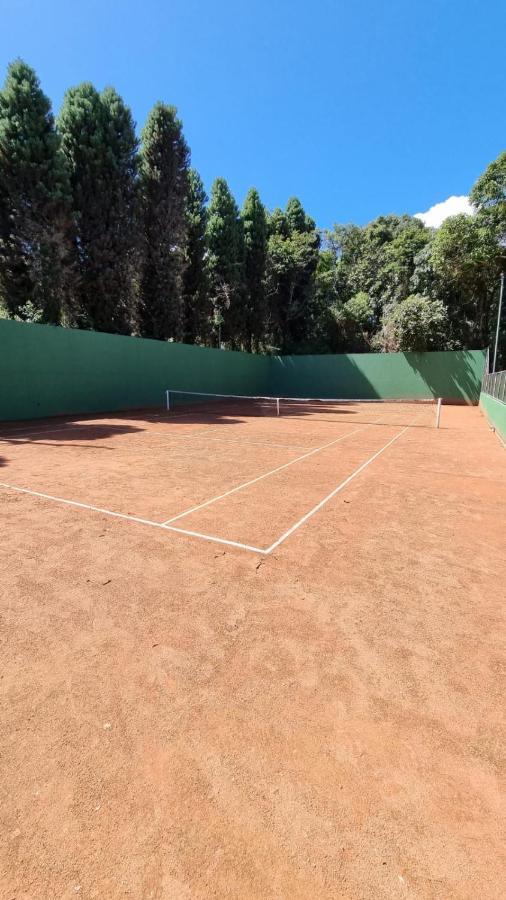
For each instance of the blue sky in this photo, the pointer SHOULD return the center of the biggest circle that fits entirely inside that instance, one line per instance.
(358, 107)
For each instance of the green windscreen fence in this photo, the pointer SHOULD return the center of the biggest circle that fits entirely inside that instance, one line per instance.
(46, 371)
(452, 375)
(495, 411)
(493, 401)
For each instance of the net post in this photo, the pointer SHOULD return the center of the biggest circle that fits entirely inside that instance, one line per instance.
(167, 400)
(438, 411)
(277, 406)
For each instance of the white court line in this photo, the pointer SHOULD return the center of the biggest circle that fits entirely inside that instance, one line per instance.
(74, 423)
(335, 491)
(212, 538)
(117, 515)
(246, 484)
(80, 427)
(97, 424)
(146, 432)
(5, 439)
(216, 540)
(221, 440)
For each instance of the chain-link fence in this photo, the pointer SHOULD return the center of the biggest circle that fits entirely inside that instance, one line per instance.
(494, 384)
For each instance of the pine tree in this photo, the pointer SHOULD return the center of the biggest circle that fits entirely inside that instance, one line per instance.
(164, 185)
(197, 306)
(296, 218)
(99, 142)
(35, 221)
(278, 223)
(254, 221)
(225, 241)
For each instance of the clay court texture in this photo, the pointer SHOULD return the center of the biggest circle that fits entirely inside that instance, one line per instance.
(248, 655)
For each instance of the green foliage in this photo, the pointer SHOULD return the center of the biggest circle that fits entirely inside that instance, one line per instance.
(225, 242)
(35, 221)
(489, 195)
(296, 218)
(354, 319)
(359, 310)
(377, 262)
(416, 323)
(197, 306)
(381, 260)
(464, 255)
(99, 143)
(93, 234)
(164, 185)
(327, 333)
(278, 223)
(292, 263)
(254, 220)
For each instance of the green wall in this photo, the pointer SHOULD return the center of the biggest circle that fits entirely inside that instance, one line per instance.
(453, 375)
(495, 411)
(46, 371)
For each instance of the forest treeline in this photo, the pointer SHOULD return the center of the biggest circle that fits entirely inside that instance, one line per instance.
(101, 229)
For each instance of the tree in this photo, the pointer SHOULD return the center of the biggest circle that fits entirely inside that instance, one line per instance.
(378, 259)
(197, 307)
(164, 186)
(349, 325)
(278, 223)
(356, 318)
(399, 258)
(327, 334)
(292, 261)
(416, 323)
(35, 220)
(489, 196)
(99, 142)
(254, 222)
(465, 256)
(225, 241)
(296, 218)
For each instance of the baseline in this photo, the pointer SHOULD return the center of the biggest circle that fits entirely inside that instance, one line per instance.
(129, 518)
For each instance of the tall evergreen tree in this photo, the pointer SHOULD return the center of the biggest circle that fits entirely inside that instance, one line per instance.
(254, 221)
(197, 306)
(225, 241)
(278, 223)
(99, 142)
(164, 185)
(35, 220)
(297, 219)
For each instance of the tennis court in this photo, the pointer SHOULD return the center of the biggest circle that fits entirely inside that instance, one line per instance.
(240, 471)
(250, 654)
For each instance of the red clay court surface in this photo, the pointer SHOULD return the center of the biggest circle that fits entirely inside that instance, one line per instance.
(249, 656)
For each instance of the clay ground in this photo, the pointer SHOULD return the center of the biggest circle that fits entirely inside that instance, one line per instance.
(296, 700)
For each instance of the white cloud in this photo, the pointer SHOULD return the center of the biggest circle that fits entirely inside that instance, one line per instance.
(440, 211)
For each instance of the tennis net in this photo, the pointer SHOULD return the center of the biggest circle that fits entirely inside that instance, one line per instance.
(422, 413)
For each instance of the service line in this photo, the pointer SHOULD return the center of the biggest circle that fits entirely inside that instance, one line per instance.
(246, 484)
(146, 433)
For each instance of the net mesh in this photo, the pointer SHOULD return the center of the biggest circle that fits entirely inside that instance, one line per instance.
(418, 413)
